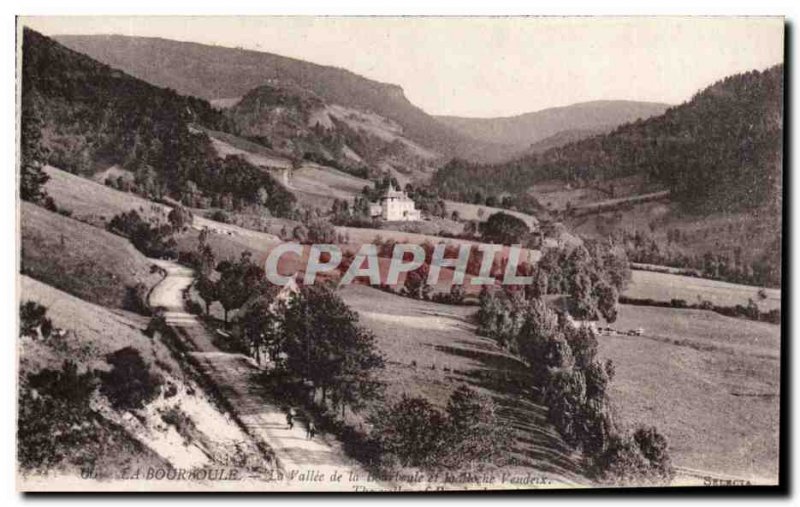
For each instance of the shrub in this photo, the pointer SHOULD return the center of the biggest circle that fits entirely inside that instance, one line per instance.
(220, 216)
(416, 283)
(474, 431)
(412, 431)
(300, 234)
(151, 239)
(504, 229)
(54, 417)
(33, 320)
(320, 231)
(136, 298)
(635, 459)
(157, 324)
(129, 384)
(183, 424)
(678, 303)
(456, 296)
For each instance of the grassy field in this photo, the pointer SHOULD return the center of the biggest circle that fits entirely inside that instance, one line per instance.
(554, 195)
(469, 211)
(431, 349)
(96, 204)
(227, 144)
(93, 202)
(666, 286)
(709, 382)
(88, 262)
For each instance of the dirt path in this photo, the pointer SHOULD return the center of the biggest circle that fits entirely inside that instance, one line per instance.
(307, 464)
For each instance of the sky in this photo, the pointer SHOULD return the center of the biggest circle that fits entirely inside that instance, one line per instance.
(488, 66)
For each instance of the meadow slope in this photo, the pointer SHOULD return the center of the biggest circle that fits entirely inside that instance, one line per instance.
(85, 261)
(710, 383)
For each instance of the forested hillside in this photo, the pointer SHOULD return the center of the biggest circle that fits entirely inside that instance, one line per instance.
(720, 151)
(298, 123)
(581, 119)
(84, 116)
(214, 72)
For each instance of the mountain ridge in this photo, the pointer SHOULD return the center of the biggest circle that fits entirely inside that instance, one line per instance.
(524, 129)
(215, 72)
(224, 73)
(720, 150)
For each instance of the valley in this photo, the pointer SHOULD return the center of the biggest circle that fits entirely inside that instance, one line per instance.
(646, 349)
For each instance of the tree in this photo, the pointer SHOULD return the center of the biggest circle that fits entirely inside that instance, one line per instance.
(582, 297)
(207, 290)
(635, 459)
(752, 311)
(325, 346)
(416, 283)
(504, 229)
(617, 267)
(32, 177)
(470, 227)
(355, 383)
(583, 344)
(260, 326)
(238, 282)
(263, 196)
(180, 218)
(300, 234)
(206, 260)
(321, 231)
(566, 395)
(474, 431)
(607, 298)
(412, 430)
(539, 327)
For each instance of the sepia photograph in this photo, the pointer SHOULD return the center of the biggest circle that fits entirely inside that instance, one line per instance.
(399, 254)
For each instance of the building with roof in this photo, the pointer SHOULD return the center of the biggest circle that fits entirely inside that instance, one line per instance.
(395, 206)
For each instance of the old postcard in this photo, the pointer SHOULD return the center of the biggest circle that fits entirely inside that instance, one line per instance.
(399, 254)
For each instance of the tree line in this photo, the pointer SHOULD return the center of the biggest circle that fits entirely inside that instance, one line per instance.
(720, 151)
(573, 383)
(95, 115)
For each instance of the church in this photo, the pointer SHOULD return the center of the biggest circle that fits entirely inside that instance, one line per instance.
(395, 206)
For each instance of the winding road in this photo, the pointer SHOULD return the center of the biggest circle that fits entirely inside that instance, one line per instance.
(306, 464)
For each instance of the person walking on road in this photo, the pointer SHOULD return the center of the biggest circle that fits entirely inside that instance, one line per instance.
(311, 430)
(290, 419)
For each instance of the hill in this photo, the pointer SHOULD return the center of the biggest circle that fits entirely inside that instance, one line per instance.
(85, 116)
(298, 123)
(432, 348)
(214, 72)
(565, 123)
(700, 378)
(85, 261)
(182, 427)
(720, 151)
(715, 162)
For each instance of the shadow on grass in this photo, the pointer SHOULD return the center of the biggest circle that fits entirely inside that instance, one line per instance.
(509, 382)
